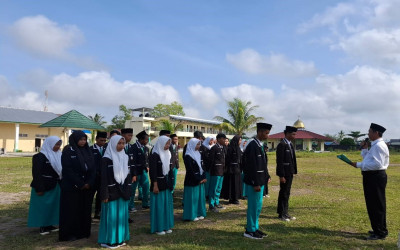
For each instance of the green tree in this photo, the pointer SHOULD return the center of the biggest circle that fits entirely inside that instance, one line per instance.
(239, 118)
(118, 121)
(333, 137)
(340, 135)
(97, 118)
(347, 141)
(167, 125)
(161, 110)
(355, 135)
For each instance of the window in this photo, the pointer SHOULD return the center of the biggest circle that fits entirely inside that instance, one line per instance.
(41, 136)
(23, 135)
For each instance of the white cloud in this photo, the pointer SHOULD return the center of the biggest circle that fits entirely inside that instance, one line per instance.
(44, 38)
(91, 92)
(205, 96)
(250, 61)
(366, 30)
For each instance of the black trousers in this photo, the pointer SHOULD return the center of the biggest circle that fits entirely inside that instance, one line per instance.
(374, 183)
(284, 194)
(75, 214)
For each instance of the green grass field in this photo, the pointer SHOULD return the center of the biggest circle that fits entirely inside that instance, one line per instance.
(327, 199)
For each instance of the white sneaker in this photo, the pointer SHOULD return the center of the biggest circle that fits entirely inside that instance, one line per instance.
(108, 246)
(195, 219)
(132, 210)
(168, 231)
(160, 233)
(200, 218)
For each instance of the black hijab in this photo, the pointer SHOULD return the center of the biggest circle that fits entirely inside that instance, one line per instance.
(84, 153)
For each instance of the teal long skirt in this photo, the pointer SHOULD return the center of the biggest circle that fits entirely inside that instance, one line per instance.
(161, 211)
(195, 202)
(114, 227)
(44, 210)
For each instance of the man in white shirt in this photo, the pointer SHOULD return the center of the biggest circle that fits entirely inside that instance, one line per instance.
(375, 162)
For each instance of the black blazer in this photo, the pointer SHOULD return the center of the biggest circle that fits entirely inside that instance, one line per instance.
(130, 154)
(140, 158)
(286, 164)
(192, 177)
(156, 174)
(109, 188)
(255, 164)
(205, 159)
(97, 157)
(45, 178)
(74, 177)
(217, 160)
(233, 161)
(174, 156)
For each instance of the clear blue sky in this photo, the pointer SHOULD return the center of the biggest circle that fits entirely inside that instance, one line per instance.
(333, 63)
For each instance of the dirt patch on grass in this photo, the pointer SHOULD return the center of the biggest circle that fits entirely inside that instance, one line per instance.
(10, 198)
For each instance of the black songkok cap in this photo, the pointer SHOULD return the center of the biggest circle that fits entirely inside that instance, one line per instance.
(221, 135)
(173, 135)
(141, 135)
(262, 125)
(290, 129)
(197, 134)
(127, 130)
(165, 132)
(377, 127)
(101, 134)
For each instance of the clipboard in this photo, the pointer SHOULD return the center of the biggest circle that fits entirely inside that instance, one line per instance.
(344, 158)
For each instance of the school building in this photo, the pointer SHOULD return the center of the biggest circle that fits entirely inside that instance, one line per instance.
(20, 132)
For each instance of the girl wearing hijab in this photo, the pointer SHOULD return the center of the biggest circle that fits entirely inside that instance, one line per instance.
(242, 147)
(194, 192)
(115, 193)
(232, 185)
(207, 143)
(161, 176)
(44, 206)
(78, 176)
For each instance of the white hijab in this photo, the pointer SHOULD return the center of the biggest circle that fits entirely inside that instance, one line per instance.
(53, 157)
(119, 159)
(206, 142)
(165, 155)
(195, 154)
(242, 145)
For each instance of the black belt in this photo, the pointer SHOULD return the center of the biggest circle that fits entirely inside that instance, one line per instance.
(372, 172)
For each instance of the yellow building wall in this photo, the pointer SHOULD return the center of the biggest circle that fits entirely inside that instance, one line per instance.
(26, 144)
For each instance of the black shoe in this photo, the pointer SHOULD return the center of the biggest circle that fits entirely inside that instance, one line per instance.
(219, 206)
(252, 235)
(213, 209)
(236, 202)
(44, 231)
(96, 217)
(371, 232)
(52, 229)
(261, 233)
(145, 207)
(140, 198)
(375, 237)
(290, 217)
(72, 238)
(130, 220)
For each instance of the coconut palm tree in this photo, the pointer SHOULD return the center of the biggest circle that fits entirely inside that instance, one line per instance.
(167, 125)
(97, 118)
(239, 118)
(355, 135)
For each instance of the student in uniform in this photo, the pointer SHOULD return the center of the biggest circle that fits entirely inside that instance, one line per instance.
(114, 132)
(197, 135)
(194, 192)
(255, 171)
(98, 150)
(242, 147)
(140, 164)
(216, 164)
(161, 176)
(78, 177)
(207, 143)
(232, 184)
(286, 167)
(174, 157)
(115, 192)
(44, 206)
(267, 181)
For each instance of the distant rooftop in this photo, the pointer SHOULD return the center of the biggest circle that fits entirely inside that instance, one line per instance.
(185, 118)
(16, 115)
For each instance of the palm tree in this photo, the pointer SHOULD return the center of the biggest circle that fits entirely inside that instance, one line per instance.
(340, 135)
(355, 135)
(97, 118)
(239, 118)
(167, 125)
